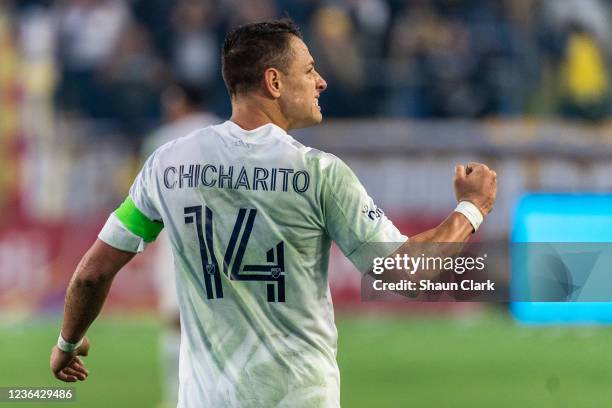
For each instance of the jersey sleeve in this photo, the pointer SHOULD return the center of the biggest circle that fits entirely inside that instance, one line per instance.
(137, 221)
(361, 230)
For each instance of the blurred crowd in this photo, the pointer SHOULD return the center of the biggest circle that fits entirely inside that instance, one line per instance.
(407, 58)
(72, 70)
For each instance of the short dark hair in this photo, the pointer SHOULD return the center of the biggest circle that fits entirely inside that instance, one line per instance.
(252, 48)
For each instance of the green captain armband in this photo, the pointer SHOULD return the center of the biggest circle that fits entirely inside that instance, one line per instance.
(136, 222)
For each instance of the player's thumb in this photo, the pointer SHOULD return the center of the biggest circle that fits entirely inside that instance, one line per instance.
(84, 349)
(460, 172)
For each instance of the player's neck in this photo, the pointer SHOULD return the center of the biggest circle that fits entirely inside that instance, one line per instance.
(251, 112)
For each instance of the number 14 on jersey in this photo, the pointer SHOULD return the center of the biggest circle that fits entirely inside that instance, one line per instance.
(272, 272)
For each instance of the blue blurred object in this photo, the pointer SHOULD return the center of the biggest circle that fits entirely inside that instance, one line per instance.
(561, 218)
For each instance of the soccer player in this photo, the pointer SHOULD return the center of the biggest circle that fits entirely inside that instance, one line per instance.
(251, 213)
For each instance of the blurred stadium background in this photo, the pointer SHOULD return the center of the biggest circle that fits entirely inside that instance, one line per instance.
(414, 88)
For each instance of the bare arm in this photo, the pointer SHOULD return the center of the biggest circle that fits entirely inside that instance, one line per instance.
(89, 287)
(455, 228)
(85, 296)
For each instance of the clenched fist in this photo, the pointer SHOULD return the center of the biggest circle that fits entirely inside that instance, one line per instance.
(477, 184)
(69, 367)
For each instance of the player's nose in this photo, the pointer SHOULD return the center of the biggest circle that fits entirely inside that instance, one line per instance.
(321, 84)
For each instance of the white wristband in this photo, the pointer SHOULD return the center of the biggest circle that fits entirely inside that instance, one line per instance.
(471, 212)
(67, 347)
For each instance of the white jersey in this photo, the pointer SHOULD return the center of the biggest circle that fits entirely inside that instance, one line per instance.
(251, 216)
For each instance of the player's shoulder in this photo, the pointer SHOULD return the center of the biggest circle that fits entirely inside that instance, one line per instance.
(313, 156)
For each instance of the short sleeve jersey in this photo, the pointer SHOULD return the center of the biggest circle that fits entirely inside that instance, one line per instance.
(251, 216)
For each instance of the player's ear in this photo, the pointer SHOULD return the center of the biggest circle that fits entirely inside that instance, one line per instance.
(272, 82)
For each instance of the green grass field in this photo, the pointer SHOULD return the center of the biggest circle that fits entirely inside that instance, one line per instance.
(483, 361)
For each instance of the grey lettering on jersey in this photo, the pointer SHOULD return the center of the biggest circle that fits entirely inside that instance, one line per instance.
(222, 176)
